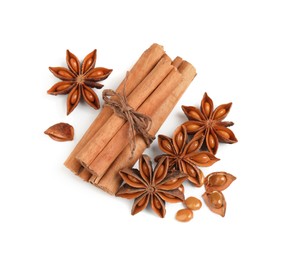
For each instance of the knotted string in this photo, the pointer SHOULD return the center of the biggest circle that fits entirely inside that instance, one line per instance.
(138, 122)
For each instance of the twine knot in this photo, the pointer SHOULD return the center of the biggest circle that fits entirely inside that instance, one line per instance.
(138, 122)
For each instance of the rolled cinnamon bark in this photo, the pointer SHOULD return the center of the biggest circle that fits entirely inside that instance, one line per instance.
(111, 180)
(101, 138)
(121, 139)
(139, 71)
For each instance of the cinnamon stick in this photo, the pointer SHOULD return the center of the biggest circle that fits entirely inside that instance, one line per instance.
(111, 180)
(139, 71)
(101, 138)
(121, 139)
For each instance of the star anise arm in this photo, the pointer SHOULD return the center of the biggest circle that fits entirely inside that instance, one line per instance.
(225, 135)
(90, 97)
(158, 205)
(194, 174)
(128, 192)
(145, 168)
(166, 145)
(73, 98)
(140, 203)
(193, 113)
(171, 196)
(62, 73)
(221, 112)
(202, 158)
(179, 139)
(172, 181)
(98, 74)
(72, 62)
(193, 126)
(207, 106)
(61, 88)
(212, 141)
(89, 62)
(132, 178)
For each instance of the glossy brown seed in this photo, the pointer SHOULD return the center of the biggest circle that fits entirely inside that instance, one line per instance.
(142, 201)
(224, 134)
(211, 141)
(216, 199)
(192, 127)
(74, 97)
(156, 203)
(220, 113)
(202, 158)
(184, 215)
(166, 145)
(216, 202)
(60, 132)
(195, 115)
(133, 179)
(218, 181)
(179, 138)
(207, 108)
(160, 171)
(193, 203)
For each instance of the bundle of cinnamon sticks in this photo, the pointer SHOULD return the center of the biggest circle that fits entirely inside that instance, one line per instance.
(153, 87)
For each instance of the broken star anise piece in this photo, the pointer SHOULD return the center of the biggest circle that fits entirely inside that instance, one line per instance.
(210, 122)
(151, 186)
(185, 156)
(78, 80)
(218, 181)
(216, 202)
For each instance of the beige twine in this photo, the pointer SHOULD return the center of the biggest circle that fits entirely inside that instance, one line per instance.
(138, 123)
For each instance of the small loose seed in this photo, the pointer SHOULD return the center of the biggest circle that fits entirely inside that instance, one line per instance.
(193, 203)
(184, 215)
(224, 134)
(217, 180)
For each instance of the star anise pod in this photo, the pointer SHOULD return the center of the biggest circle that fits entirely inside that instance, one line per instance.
(210, 122)
(78, 80)
(151, 186)
(185, 156)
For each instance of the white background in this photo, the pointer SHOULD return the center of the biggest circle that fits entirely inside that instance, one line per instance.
(238, 49)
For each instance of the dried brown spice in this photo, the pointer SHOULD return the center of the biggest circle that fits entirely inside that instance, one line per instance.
(193, 203)
(151, 186)
(185, 156)
(78, 80)
(210, 122)
(216, 202)
(184, 215)
(61, 132)
(218, 181)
